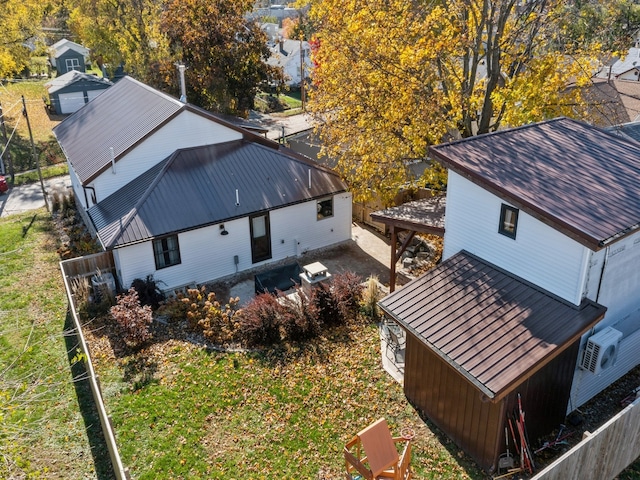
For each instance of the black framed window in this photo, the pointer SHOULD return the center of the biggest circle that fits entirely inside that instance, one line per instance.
(508, 221)
(325, 208)
(166, 251)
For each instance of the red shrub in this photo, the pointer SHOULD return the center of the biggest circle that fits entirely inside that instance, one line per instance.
(133, 318)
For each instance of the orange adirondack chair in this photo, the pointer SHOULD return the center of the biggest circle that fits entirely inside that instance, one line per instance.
(381, 459)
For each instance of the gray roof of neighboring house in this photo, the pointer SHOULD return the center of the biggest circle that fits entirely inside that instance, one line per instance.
(493, 327)
(630, 130)
(197, 186)
(579, 179)
(122, 117)
(72, 77)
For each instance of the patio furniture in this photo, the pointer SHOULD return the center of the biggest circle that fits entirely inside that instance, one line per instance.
(395, 341)
(373, 454)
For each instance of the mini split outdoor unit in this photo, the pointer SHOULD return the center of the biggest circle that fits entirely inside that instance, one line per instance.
(601, 350)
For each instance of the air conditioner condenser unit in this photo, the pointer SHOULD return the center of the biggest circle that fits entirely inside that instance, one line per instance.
(601, 350)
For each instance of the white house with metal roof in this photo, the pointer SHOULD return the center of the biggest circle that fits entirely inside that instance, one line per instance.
(538, 292)
(188, 196)
(558, 204)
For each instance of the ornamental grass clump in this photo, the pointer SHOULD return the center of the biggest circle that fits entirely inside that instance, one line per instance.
(133, 318)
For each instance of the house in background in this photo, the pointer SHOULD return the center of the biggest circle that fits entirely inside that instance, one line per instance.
(66, 55)
(182, 194)
(538, 293)
(294, 57)
(71, 91)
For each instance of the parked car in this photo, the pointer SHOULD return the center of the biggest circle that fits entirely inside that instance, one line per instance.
(3, 185)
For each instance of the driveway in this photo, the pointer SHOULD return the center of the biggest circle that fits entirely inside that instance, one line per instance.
(29, 197)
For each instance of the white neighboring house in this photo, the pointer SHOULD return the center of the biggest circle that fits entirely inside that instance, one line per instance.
(290, 55)
(627, 68)
(558, 204)
(189, 197)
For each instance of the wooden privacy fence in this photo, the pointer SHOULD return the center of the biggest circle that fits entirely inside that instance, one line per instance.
(604, 453)
(82, 267)
(88, 265)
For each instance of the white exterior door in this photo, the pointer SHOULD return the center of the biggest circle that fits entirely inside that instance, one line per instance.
(70, 102)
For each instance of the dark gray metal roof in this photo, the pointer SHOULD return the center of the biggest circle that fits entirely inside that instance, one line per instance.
(119, 118)
(197, 187)
(72, 77)
(425, 215)
(493, 327)
(579, 179)
(122, 117)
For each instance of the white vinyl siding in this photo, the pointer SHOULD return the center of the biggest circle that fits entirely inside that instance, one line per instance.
(184, 131)
(539, 253)
(207, 255)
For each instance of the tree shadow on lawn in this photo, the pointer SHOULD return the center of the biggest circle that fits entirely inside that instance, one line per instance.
(88, 409)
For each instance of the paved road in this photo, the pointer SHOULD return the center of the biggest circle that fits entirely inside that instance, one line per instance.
(291, 124)
(29, 197)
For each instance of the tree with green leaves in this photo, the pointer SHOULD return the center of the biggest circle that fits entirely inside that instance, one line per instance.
(225, 53)
(393, 77)
(612, 23)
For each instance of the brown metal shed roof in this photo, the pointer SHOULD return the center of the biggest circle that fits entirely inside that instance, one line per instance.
(581, 180)
(196, 187)
(493, 327)
(123, 116)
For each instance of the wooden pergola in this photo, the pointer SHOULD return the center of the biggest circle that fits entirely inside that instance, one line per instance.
(424, 216)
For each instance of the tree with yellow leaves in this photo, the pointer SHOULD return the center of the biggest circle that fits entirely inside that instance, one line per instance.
(21, 21)
(394, 76)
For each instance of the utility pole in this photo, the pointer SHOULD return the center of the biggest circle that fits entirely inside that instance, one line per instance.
(7, 152)
(35, 155)
(301, 73)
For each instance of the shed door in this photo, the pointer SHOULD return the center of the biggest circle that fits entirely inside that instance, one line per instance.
(70, 102)
(260, 238)
(91, 94)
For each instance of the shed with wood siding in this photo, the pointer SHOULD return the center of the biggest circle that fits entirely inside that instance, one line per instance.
(477, 336)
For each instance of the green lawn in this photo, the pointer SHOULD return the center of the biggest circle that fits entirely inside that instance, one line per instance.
(180, 411)
(44, 431)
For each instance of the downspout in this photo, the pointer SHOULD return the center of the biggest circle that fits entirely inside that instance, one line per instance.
(93, 195)
(604, 264)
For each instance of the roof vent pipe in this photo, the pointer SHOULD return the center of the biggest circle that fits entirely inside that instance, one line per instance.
(113, 160)
(183, 87)
(309, 179)
(237, 199)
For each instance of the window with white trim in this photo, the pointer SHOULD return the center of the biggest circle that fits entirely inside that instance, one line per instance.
(72, 64)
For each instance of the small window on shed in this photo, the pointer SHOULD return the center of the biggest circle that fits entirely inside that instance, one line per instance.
(325, 208)
(72, 64)
(508, 221)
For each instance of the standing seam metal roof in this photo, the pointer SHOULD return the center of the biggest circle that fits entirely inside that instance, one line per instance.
(122, 116)
(197, 186)
(578, 178)
(493, 327)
